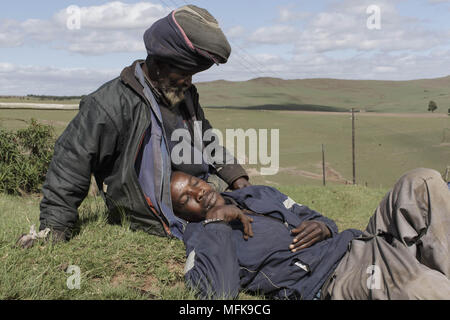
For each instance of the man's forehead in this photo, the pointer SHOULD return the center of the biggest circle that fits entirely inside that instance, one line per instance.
(180, 180)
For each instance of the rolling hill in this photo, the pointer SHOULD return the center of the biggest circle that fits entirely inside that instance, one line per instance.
(328, 94)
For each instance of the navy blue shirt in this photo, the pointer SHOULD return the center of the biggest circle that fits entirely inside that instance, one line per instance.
(221, 263)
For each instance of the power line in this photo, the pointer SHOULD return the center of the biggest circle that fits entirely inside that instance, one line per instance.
(174, 3)
(256, 60)
(164, 3)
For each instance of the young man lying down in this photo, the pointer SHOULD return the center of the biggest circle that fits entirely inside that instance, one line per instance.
(259, 240)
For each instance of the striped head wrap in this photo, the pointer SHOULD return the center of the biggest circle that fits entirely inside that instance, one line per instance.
(189, 39)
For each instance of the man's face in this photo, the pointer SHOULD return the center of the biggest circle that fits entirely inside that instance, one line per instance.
(192, 198)
(173, 83)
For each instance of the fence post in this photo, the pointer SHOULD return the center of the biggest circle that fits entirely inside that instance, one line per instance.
(353, 147)
(323, 165)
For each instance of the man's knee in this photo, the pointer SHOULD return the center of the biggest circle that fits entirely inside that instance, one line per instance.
(420, 175)
(412, 191)
(428, 284)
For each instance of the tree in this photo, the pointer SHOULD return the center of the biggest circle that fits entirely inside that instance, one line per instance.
(432, 106)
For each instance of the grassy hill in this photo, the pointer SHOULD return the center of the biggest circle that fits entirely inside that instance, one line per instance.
(117, 263)
(308, 94)
(328, 94)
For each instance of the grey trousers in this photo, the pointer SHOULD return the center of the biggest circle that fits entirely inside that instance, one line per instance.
(404, 251)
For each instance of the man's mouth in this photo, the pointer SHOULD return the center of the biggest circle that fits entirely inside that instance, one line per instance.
(210, 200)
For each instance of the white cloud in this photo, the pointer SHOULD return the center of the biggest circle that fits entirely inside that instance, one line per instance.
(289, 14)
(379, 66)
(235, 32)
(276, 34)
(112, 27)
(115, 15)
(343, 26)
(26, 79)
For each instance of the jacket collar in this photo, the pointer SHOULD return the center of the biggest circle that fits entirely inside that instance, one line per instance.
(128, 77)
(133, 77)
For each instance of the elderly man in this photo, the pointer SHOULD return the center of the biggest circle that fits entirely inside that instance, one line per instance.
(122, 133)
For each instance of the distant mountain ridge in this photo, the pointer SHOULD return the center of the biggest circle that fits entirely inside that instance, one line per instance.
(325, 94)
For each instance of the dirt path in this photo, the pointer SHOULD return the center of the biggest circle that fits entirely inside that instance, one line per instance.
(373, 114)
(43, 106)
(330, 173)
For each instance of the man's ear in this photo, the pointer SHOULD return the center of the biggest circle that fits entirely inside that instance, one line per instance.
(153, 67)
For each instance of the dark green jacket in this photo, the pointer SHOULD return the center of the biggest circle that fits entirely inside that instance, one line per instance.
(104, 140)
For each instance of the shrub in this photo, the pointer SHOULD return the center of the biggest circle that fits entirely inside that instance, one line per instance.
(24, 158)
(432, 106)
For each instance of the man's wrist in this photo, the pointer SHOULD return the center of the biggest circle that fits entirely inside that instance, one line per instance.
(213, 220)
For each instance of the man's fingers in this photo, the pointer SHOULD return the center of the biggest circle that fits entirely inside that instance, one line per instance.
(305, 245)
(304, 231)
(299, 229)
(305, 226)
(246, 222)
(306, 241)
(249, 227)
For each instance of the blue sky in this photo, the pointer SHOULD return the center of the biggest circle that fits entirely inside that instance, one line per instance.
(285, 39)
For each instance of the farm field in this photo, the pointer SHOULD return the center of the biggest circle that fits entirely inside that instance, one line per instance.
(386, 144)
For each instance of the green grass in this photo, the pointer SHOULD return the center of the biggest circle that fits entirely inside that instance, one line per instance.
(17, 119)
(117, 263)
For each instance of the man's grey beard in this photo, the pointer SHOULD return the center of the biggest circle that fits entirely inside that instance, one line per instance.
(174, 96)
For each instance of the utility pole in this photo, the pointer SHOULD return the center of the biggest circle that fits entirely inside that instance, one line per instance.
(353, 146)
(323, 165)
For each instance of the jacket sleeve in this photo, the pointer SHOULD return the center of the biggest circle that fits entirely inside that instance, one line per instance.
(230, 171)
(86, 144)
(212, 268)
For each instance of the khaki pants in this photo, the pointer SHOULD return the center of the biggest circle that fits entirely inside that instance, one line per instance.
(404, 251)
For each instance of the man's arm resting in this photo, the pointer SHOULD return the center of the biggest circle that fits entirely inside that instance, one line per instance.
(28, 240)
(85, 144)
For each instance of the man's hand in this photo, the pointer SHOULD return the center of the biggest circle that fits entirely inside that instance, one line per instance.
(308, 233)
(240, 183)
(229, 213)
(26, 241)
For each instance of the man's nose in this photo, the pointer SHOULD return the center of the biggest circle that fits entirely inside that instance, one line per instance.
(199, 194)
(187, 81)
